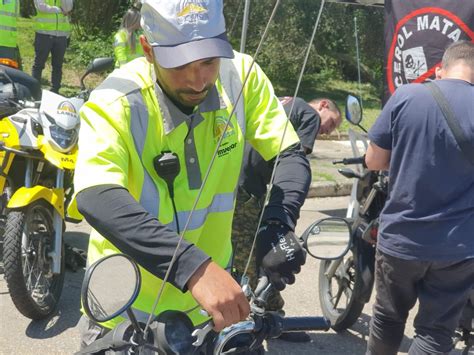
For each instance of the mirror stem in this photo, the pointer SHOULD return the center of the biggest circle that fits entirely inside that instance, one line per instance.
(362, 128)
(134, 321)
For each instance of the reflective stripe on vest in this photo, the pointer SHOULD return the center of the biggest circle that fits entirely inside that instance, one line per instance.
(220, 203)
(232, 84)
(149, 198)
(8, 27)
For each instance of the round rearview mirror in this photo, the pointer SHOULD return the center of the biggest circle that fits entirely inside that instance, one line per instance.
(328, 238)
(353, 110)
(110, 287)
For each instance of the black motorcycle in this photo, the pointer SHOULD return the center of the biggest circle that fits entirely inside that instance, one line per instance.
(345, 284)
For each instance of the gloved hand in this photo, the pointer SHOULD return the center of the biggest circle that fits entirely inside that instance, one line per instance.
(279, 254)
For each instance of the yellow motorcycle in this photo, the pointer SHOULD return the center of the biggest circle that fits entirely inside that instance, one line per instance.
(38, 149)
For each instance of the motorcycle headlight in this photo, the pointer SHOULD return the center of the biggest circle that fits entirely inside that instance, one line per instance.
(65, 138)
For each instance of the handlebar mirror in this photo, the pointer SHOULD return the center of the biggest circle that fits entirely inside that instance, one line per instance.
(353, 110)
(100, 64)
(96, 66)
(110, 287)
(328, 238)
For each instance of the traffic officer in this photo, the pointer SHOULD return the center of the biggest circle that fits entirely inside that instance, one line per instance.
(172, 107)
(9, 52)
(309, 119)
(52, 30)
(126, 45)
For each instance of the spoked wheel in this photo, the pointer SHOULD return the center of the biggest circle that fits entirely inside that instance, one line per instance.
(4, 198)
(338, 295)
(29, 238)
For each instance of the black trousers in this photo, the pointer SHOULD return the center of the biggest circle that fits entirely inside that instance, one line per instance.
(56, 45)
(442, 289)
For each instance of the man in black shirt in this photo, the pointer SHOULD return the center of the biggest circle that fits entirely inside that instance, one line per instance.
(319, 116)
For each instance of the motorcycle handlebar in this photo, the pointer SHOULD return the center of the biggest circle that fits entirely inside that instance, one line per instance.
(350, 161)
(273, 325)
(296, 324)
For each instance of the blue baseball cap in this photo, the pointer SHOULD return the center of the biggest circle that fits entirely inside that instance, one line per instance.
(183, 31)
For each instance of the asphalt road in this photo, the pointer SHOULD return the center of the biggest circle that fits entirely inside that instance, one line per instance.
(59, 334)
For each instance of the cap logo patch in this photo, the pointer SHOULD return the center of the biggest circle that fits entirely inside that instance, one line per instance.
(194, 11)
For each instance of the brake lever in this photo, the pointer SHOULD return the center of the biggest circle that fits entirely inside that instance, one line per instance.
(262, 292)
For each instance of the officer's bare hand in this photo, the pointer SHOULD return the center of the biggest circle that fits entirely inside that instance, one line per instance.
(219, 294)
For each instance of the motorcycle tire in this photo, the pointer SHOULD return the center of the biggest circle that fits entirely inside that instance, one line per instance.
(34, 289)
(341, 316)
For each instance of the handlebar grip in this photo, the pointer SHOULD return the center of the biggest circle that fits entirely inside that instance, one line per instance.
(296, 324)
(350, 161)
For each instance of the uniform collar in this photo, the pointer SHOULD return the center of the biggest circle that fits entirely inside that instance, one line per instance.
(173, 116)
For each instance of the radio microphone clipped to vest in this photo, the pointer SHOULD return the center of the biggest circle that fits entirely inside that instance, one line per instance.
(167, 167)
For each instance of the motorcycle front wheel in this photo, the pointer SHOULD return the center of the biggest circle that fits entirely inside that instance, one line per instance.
(28, 240)
(338, 295)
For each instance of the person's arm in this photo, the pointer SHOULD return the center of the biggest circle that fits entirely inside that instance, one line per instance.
(377, 158)
(305, 121)
(114, 213)
(290, 187)
(266, 121)
(41, 6)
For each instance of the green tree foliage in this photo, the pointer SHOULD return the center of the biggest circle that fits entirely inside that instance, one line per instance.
(27, 8)
(94, 23)
(333, 54)
(98, 17)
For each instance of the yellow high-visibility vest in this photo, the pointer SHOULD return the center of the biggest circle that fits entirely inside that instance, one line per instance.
(128, 121)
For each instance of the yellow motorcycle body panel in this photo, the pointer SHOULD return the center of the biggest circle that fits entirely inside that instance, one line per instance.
(58, 159)
(8, 137)
(25, 196)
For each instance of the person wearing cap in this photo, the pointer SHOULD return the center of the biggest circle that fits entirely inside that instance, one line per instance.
(171, 109)
(309, 119)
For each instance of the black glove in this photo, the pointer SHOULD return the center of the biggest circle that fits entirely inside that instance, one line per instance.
(279, 254)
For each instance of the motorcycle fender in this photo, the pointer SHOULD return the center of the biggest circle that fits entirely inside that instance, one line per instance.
(25, 196)
(365, 254)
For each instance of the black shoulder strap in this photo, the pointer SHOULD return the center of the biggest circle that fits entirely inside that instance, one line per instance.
(453, 123)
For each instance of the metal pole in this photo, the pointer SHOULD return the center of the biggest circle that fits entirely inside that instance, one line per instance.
(356, 35)
(245, 24)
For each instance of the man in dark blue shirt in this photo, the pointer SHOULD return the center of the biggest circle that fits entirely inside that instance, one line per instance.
(319, 116)
(425, 247)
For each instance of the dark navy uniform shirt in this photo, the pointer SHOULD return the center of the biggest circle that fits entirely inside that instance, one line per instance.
(429, 214)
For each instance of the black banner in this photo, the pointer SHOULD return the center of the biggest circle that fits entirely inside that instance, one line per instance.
(416, 35)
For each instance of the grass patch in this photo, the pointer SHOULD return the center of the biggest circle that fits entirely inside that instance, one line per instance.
(321, 176)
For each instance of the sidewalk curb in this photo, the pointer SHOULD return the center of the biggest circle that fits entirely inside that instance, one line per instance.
(329, 189)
